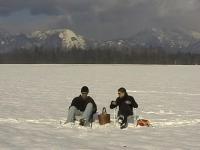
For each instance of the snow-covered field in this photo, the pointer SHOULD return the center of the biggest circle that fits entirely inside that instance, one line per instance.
(35, 98)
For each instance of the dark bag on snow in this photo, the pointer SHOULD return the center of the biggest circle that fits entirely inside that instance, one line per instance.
(104, 117)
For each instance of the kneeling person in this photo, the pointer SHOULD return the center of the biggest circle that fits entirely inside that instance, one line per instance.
(83, 106)
(126, 104)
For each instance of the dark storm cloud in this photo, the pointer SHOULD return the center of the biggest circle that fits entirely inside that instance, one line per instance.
(113, 18)
(48, 7)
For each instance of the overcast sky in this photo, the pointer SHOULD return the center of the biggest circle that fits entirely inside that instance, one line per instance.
(99, 19)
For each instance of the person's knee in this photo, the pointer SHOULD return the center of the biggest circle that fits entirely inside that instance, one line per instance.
(72, 108)
(89, 105)
(89, 108)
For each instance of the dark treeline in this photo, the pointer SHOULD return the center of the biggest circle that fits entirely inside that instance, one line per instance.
(98, 56)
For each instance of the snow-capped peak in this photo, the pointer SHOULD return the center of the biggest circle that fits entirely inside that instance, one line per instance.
(68, 38)
(195, 34)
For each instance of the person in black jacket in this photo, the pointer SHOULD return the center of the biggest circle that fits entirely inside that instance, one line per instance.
(82, 105)
(126, 104)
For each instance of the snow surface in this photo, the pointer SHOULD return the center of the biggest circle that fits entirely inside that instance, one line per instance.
(34, 99)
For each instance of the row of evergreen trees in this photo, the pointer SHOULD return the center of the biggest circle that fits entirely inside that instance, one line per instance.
(98, 56)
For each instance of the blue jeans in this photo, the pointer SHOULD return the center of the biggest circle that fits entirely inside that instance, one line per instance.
(73, 112)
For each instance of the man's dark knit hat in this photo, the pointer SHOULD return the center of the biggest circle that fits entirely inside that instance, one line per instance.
(84, 89)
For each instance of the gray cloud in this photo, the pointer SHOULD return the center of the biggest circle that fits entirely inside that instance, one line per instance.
(36, 7)
(104, 18)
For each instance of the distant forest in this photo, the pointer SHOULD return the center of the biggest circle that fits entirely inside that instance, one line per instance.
(97, 56)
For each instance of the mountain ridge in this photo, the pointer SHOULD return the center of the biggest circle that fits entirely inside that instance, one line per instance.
(170, 40)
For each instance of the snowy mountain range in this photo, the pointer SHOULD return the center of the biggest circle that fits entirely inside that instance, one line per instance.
(167, 39)
(170, 40)
(59, 38)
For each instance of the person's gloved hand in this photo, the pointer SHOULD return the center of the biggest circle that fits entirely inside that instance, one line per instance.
(114, 103)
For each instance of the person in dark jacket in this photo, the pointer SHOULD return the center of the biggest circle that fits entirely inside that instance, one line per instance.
(82, 105)
(126, 104)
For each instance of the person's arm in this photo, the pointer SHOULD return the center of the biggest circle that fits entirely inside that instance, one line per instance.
(134, 103)
(114, 104)
(94, 105)
(73, 103)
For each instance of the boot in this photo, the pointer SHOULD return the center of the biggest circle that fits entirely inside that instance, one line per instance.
(82, 122)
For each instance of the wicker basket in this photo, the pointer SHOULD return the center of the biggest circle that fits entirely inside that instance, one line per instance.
(104, 117)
